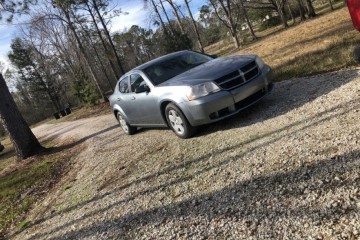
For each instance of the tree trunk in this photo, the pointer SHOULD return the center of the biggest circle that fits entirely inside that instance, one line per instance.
(103, 69)
(21, 136)
(301, 10)
(282, 17)
(117, 76)
(93, 46)
(235, 39)
(331, 5)
(108, 36)
(290, 12)
(167, 18)
(310, 9)
(251, 30)
(82, 49)
(230, 19)
(195, 27)
(178, 20)
(159, 16)
(49, 91)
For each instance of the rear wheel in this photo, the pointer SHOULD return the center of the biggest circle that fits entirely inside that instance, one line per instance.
(178, 122)
(124, 125)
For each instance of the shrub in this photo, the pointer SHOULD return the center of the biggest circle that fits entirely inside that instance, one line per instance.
(84, 90)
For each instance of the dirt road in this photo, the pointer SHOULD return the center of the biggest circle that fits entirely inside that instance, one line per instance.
(287, 168)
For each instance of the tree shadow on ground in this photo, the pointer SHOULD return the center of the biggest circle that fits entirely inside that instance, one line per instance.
(278, 134)
(292, 95)
(81, 140)
(255, 201)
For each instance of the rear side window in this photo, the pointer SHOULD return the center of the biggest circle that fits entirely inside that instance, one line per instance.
(124, 85)
(136, 81)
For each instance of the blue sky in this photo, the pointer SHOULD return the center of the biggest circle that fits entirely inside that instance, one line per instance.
(138, 15)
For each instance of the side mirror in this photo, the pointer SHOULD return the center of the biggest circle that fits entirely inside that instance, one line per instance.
(142, 88)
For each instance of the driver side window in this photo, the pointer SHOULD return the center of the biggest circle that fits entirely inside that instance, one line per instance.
(136, 81)
(124, 85)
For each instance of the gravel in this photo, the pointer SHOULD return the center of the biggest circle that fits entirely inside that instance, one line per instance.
(286, 168)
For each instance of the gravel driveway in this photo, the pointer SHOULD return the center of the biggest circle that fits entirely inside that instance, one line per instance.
(287, 168)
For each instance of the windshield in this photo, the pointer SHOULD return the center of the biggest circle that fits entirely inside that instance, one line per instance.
(163, 71)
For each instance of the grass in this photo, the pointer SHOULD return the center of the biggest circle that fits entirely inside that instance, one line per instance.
(323, 44)
(24, 224)
(24, 183)
(8, 155)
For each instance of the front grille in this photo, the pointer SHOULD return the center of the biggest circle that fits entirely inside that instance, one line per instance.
(239, 77)
(246, 102)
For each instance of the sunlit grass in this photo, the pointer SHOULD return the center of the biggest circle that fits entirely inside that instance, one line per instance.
(323, 44)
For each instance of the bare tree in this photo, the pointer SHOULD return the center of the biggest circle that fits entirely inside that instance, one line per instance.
(107, 33)
(276, 5)
(155, 8)
(290, 12)
(246, 17)
(195, 26)
(105, 46)
(167, 17)
(65, 9)
(280, 4)
(310, 9)
(92, 44)
(228, 18)
(175, 11)
(301, 10)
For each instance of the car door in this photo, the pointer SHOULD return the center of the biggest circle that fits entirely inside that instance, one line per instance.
(146, 111)
(123, 98)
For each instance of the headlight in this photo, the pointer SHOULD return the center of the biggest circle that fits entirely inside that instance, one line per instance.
(201, 90)
(259, 62)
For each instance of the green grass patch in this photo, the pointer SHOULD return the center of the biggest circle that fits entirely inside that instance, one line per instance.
(339, 55)
(6, 162)
(24, 224)
(23, 186)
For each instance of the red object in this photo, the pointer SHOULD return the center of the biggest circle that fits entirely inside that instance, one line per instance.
(354, 9)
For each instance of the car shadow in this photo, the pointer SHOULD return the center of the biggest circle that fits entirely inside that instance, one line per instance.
(325, 165)
(273, 197)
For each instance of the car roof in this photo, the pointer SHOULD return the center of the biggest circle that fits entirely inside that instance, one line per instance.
(160, 59)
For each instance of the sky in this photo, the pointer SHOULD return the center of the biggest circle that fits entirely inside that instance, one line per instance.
(137, 15)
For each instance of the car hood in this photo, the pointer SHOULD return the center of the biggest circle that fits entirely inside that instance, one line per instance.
(208, 71)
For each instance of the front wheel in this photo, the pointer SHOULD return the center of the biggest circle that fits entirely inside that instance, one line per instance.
(178, 122)
(124, 125)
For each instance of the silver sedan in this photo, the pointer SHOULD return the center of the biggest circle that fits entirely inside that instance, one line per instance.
(187, 89)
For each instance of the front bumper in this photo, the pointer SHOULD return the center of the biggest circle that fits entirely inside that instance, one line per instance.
(224, 104)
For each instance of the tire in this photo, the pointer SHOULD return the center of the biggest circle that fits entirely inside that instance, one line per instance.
(178, 122)
(129, 130)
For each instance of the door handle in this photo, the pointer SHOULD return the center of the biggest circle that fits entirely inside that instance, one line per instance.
(119, 99)
(132, 98)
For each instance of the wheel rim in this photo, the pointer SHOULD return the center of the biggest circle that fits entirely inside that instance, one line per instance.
(176, 122)
(123, 123)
